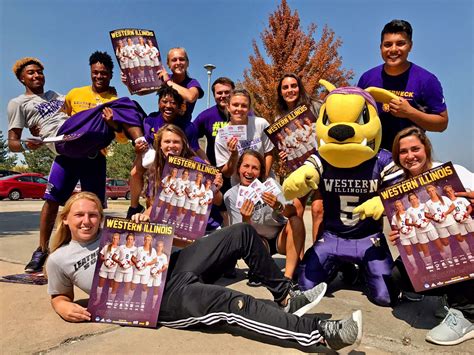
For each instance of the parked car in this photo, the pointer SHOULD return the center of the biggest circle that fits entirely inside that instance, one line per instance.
(115, 188)
(27, 185)
(4, 172)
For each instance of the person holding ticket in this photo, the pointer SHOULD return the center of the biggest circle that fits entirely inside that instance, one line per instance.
(243, 132)
(260, 202)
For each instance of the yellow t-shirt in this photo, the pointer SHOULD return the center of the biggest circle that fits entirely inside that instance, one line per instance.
(84, 98)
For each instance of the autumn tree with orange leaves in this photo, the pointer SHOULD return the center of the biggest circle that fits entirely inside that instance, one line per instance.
(290, 49)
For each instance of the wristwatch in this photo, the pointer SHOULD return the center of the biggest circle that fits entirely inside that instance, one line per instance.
(279, 208)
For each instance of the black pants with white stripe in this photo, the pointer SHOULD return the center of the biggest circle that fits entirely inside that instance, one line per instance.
(190, 298)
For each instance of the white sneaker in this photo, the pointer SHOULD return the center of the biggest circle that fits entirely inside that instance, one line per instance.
(148, 158)
(454, 329)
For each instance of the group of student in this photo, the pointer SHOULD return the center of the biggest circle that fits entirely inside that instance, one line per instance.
(270, 225)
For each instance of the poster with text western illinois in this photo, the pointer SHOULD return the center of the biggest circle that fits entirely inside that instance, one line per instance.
(435, 227)
(139, 58)
(130, 273)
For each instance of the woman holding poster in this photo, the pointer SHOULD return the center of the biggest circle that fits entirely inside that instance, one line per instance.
(189, 88)
(273, 217)
(412, 151)
(291, 94)
(170, 139)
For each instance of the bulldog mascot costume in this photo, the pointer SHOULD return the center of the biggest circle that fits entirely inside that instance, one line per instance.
(348, 170)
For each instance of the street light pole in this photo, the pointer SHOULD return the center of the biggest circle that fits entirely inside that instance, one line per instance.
(209, 68)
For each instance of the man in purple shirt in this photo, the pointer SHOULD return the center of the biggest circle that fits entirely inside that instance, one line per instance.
(211, 120)
(421, 102)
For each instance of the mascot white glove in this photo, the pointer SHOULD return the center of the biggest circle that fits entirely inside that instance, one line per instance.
(301, 181)
(370, 208)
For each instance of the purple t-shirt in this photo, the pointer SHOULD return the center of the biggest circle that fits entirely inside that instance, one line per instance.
(155, 121)
(417, 85)
(190, 83)
(207, 123)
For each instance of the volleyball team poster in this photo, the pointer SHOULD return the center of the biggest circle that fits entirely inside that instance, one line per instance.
(295, 134)
(139, 58)
(130, 274)
(436, 231)
(184, 196)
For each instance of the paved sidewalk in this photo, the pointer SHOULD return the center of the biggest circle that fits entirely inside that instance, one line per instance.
(29, 325)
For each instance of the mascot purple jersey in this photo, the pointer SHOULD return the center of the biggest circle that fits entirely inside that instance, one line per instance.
(343, 189)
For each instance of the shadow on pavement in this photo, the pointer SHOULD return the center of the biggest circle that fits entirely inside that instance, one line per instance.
(17, 223)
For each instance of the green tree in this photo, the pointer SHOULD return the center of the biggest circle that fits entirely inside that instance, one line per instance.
(39, 160)
(289, 48)
(6, 161)
(120, 160)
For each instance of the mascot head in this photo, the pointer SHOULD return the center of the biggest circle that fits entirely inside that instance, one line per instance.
(348, 127)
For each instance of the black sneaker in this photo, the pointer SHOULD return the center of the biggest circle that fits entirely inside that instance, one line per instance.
(230, 274)
(301, 302)
(442, 309)
(134, 210)
(341, 333)
(37, 261)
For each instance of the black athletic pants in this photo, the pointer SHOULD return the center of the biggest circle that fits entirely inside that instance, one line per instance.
(189, 297)
(459, 295)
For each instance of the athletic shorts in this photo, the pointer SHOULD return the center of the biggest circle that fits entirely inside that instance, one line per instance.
(425, 237)
(155, 281)
(108, 274)
(178, 201)
(202, 209)
(409, 241)
(66, 172)
(466, 227)
(165, 197)
(445, 232)
(192, 204)
(141, 279)
(123, 276)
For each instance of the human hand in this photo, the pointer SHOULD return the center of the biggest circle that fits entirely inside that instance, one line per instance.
(393, 236)
(400, 107)
(72, 312)
(270, 199)
(232, 144)
(247, 210)
(218, 181)
(283, 156)
(141, 145)
(140, 217)
(163, 74)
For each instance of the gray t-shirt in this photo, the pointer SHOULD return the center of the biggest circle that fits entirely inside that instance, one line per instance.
(256, 140)
(45, 110)
(72, 264)
(267, 222)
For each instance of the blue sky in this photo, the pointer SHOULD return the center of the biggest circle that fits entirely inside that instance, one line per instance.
(64, 33)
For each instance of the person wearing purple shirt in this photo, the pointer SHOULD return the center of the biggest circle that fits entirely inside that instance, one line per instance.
(209, 121)
(169, 103)
(421, 100)
(187, 87)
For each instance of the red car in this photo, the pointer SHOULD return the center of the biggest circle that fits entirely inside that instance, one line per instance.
(27, 185)
(115, 188)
